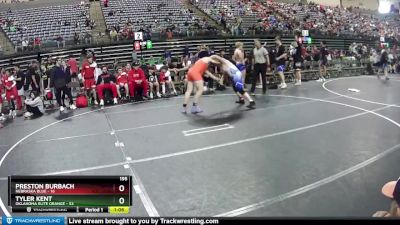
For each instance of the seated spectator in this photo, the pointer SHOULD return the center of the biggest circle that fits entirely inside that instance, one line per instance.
(34, 106)
(113, 35)
(137, 80)
(60, 40)
(88, 38)
(392, 191)
(76, 39)
(169, 34)
(153, 82)
(122, 81)
(106, 81)
(37, 43)
(25, 45)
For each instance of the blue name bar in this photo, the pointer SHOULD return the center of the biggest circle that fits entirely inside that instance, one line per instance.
(19, 220)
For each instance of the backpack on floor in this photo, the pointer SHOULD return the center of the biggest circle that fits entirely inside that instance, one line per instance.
(81, 101)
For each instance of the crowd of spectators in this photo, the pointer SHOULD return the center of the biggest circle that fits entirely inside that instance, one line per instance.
(278, 17)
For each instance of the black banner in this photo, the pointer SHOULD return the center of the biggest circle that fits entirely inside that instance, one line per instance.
(214, 221)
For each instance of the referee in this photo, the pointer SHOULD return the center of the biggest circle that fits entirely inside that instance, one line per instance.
(260, 64)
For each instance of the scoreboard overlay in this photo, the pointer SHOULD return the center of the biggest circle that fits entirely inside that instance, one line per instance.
(91, 194)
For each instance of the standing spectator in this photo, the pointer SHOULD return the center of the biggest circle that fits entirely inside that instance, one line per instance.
(168, 56)
(323, 56)
(134, 55)
(11, 92)
(186, 54)
(88, 69)
(297, 59)
(2, 71)
(20, 79)
(260, 63)
(76, 38)
(60, 78)
(73, 67)
(280, 59)
(73, 64)
(34, 73)
(384, 61)
(106, 81)
(34, 105)
(137, 79)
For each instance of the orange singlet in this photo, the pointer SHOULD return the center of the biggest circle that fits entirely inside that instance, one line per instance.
(197, 71)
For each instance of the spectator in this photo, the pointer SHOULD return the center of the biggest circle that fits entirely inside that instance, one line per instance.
(297, 58)
(25, 44)
(9, 83)
(392, 191)
(37, 43)
(34, 106)
(384, 62)
(153, 82)
(88, 75)
(106, 81)
(169, 34)
(76, 39)
(88, 38)
(137, 80)
(113, 35)
(280, 59)
(60, 78)
(167, 56)
(323, 56)
(34, 74)
(60, 40)
(20, 79)
(122, 82)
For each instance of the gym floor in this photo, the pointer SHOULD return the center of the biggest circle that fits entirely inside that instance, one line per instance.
(311, 150)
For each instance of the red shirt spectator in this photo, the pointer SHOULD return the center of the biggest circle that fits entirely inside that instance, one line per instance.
(136, 75)
(88, 70)
(122, 78)
(73, 65)
(137, 79)
(37, 41)
(169, 34)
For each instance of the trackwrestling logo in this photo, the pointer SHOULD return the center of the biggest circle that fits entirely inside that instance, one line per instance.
(33, 220)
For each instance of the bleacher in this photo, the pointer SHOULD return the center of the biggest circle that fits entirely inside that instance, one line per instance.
(166, 12)
(229, 7)
(106, 55)
(43, 22)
